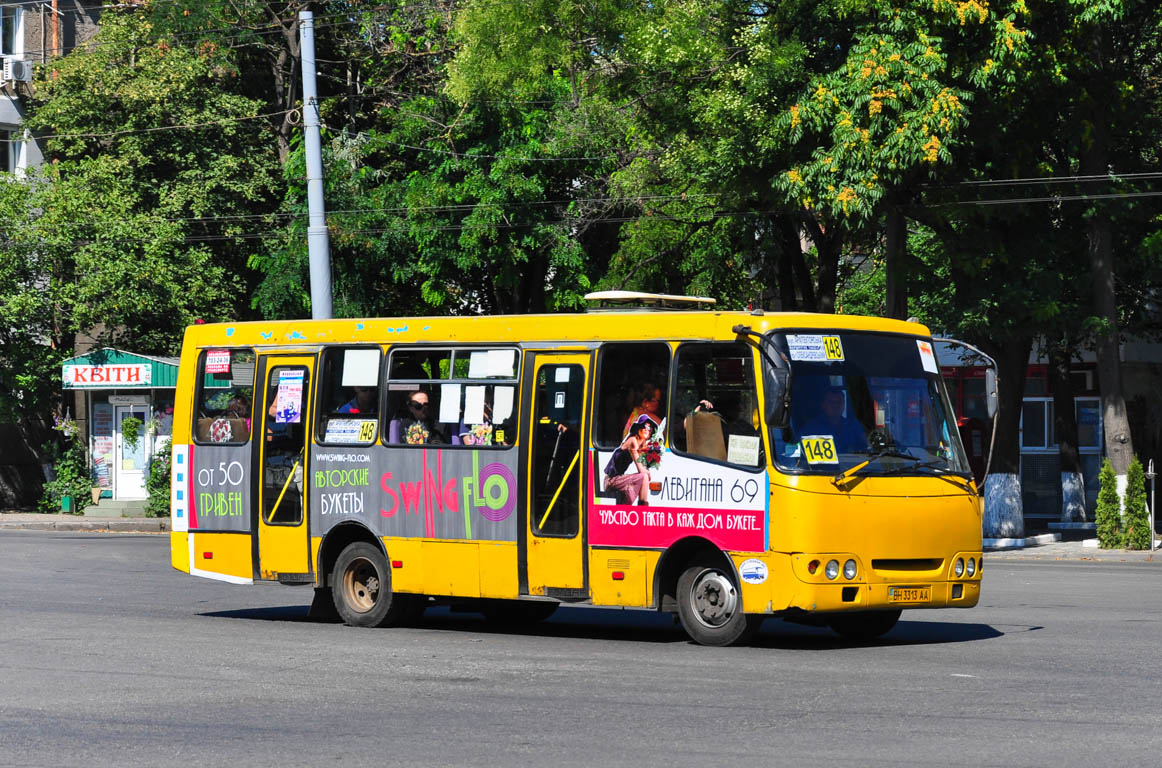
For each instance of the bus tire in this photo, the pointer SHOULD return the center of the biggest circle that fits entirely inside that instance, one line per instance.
(710, 607)
(361, 586)
(864, 625)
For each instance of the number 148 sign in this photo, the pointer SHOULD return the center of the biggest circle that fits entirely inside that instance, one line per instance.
(820, 450)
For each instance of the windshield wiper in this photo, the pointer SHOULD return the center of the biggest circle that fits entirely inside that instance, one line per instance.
(877, 453)
(933, 465)
(959, 480)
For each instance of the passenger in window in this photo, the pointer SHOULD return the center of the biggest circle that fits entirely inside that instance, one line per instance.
(364, 401)
(649, 405)
(415, 425)
(632, 488)
(478, 434)
(846, 432)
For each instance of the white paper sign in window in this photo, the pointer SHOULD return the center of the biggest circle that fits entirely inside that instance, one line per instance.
(360, 367)
(927, 356)
(450, 403)
(502, 363)
(743, 449)
(478, 364)
(806, 348)
(474, 405)
(502, 404)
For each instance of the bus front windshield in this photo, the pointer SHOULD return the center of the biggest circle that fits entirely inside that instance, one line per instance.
(866, 399)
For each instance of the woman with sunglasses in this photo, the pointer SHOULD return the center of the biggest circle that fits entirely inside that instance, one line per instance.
(414, 425)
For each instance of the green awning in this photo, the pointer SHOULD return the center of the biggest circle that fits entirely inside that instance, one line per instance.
(117, 369)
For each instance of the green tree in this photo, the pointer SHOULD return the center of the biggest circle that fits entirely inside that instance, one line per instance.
(745, 126)
(140, 221)
(1136, 518)
(1109, 509)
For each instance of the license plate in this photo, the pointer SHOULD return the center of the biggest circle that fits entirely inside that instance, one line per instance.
(909, 594)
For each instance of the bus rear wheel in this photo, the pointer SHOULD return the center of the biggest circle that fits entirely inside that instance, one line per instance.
(864, 625)
(710, 607)
(361, 586)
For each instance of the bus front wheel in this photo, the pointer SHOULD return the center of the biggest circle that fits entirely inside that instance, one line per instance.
(710, 607)
(361, 585)
(864, 625)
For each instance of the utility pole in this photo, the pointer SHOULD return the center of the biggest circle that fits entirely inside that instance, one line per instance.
(317, 246)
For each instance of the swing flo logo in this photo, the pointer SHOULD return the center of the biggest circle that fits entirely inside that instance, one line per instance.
(753, 571)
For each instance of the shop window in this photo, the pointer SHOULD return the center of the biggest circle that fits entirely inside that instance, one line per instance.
(453, 397)
(349, 403)
(721, 375)
(1036, 381)
(225, 396)
(1089, 429)
(633, 383)
(1035, 424)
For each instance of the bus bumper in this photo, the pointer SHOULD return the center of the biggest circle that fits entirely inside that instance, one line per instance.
(799, 582)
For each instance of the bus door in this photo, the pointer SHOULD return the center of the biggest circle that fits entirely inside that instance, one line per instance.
(553, 536)
(283, 548)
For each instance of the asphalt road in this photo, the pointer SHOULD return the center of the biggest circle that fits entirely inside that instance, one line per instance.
(108, 657)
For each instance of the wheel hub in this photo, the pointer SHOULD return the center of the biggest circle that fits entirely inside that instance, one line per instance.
(715, 598)
(361, 585)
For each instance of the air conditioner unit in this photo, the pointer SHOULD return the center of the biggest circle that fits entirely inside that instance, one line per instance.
(17, 70)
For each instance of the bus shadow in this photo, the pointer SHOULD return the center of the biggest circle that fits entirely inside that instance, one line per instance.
(650, 627)
(786, 635)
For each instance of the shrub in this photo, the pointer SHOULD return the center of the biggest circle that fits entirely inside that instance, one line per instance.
(1136, 520)
(71, 470)
(158, 485)
(1109, 508)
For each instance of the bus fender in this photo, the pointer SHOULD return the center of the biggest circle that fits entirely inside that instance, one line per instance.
(675, 559)
(335, 541)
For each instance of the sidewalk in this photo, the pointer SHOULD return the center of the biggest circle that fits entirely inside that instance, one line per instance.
(1071, 550)
(33, 521)
(1037, 548)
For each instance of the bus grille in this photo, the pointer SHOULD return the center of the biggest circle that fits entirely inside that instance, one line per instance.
(912, 565)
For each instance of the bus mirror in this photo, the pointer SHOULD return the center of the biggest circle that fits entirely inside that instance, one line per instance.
(778, 386)
(990, 391)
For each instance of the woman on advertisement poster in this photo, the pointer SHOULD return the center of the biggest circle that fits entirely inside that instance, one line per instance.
(632, 488)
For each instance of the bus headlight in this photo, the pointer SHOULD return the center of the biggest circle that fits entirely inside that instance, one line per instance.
(849, 570)
(832, 569)
(971, 567)
(958, 569)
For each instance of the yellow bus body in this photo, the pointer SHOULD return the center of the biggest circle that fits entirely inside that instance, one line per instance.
(901, 531)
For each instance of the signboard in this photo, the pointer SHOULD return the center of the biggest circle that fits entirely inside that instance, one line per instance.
(128, 399)
(112, 376)
(218, 361)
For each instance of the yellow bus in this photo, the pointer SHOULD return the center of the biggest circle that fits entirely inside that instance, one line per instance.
(726, 466)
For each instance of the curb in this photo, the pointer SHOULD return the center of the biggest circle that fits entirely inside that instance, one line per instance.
(999, 545)
(71, 523)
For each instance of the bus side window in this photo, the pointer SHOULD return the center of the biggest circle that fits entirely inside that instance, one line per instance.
(633, 384)
(349, 400)
(225, 396)
(716, 408)
(463, 396)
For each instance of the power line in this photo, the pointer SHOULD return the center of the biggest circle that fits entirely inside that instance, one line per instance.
(1048, 199)
(1044, 180)
(154, 129)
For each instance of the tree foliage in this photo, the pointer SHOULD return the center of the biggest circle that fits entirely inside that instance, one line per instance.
(1136, 518)
(1109, 509)
(137, 223)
